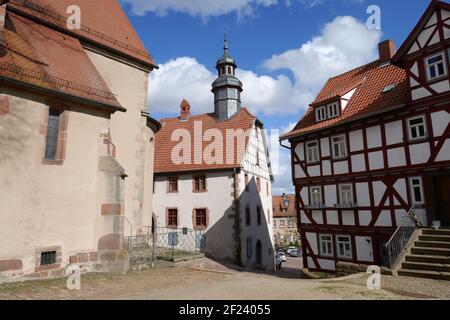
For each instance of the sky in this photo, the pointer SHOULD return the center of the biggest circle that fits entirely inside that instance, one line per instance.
(285, 50)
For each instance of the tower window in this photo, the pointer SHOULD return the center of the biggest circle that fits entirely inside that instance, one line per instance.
(230, 70)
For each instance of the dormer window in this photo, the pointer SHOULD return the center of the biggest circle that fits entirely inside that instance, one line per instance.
(436, 66)
(328, 111)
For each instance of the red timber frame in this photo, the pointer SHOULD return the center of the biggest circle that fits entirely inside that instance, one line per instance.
(391, 200)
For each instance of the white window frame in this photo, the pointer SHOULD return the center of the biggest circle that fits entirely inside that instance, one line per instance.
(410, 127)
(344, 146)
(348, 253)
(328, 253)
(412, 187)
(275, 223)
(314, 152)
(333, 110)
(282, 223)
(427, 66)
(312, 193)
(341, 197)
(291, 223)
(321, 113)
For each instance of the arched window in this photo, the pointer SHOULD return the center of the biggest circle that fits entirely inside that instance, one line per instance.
(230, 70)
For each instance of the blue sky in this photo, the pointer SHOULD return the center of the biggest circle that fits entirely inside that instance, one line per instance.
(285, 49)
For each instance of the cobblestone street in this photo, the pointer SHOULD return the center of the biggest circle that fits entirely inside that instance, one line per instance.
(218, 282)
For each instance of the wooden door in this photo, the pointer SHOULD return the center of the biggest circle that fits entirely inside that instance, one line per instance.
(442, 184)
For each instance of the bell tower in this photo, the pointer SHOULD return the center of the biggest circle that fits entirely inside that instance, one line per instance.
(226, 88)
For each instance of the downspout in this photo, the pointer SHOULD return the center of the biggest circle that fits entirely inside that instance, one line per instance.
(237, 219)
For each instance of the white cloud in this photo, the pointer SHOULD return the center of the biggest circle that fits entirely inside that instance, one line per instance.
(201, 8)
(344, 44)
(186, 78)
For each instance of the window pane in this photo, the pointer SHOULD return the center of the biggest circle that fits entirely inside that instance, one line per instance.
(52, 134)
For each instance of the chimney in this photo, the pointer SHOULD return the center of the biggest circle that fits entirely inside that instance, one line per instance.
(185, 110)
(387, 50)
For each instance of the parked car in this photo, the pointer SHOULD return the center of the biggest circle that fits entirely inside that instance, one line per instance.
(282, 256)
(295, 253)
(278, 261)
(291, 248)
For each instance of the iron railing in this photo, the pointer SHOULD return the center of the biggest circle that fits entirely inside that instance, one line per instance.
(46, 78)
(397, 244)
(165, 244)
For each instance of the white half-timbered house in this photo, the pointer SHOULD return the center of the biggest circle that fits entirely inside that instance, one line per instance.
(375, 143)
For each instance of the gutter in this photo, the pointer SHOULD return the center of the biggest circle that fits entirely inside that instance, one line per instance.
(65, 96)
(367, 115)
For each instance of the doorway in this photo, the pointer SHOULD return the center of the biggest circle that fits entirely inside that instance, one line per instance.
(258, 254)
(442, 197)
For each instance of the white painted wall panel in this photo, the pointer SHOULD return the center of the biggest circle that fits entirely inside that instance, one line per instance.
(330, 195)
(311, 264)
(332, 218)
(356, 140)
(341, 167)
(364, 250)
(358, 163)
(444, 154)
(385, 219)
(300, 151)
(365, 218)
(299, 173)
(314, 171)
(396, 157)
(441, 87)
(401, 188)
(325, 147)
(304, 194)
(312, 240)
(304, 218)
(362, 194)
(326, 167)
(327, 264)
(348, 218)
(317, 216)
(420, 93)
(378, 189)
(420, 153)
(394, 132)
(440, 121)
(376, 160)
(374, 137)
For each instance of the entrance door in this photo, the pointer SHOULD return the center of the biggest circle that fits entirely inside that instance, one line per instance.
(442, 185)
(258, 254)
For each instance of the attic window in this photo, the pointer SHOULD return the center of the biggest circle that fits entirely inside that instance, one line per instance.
(328, 111)
(389, 88)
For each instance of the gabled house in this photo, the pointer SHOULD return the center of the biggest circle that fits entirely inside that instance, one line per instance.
(212, 174)
(373, 149)
(76, 139)
(285, 227)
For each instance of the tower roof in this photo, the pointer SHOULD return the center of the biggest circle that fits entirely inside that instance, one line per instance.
(226, 58)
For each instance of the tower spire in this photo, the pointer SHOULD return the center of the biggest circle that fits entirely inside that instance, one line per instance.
(225, 43)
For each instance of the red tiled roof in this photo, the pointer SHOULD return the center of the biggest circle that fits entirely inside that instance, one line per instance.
(278, 205)
(370, 80)
(37, 55)
(103, 21)
(164, 145)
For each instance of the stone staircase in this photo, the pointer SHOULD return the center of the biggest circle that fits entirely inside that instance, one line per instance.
(429, 257)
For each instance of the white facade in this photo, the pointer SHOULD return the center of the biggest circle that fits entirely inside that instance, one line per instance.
(220, 201)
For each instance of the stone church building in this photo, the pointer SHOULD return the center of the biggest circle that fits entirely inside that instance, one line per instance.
(76, 139)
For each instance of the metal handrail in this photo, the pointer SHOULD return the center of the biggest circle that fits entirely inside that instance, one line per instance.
(397, 243)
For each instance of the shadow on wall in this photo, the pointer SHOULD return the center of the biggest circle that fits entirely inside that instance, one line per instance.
(16, 131)
(252, 248)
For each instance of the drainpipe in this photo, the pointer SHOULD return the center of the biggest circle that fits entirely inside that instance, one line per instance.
(237, 218)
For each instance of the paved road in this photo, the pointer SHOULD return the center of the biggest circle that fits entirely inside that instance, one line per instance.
(210, 280)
